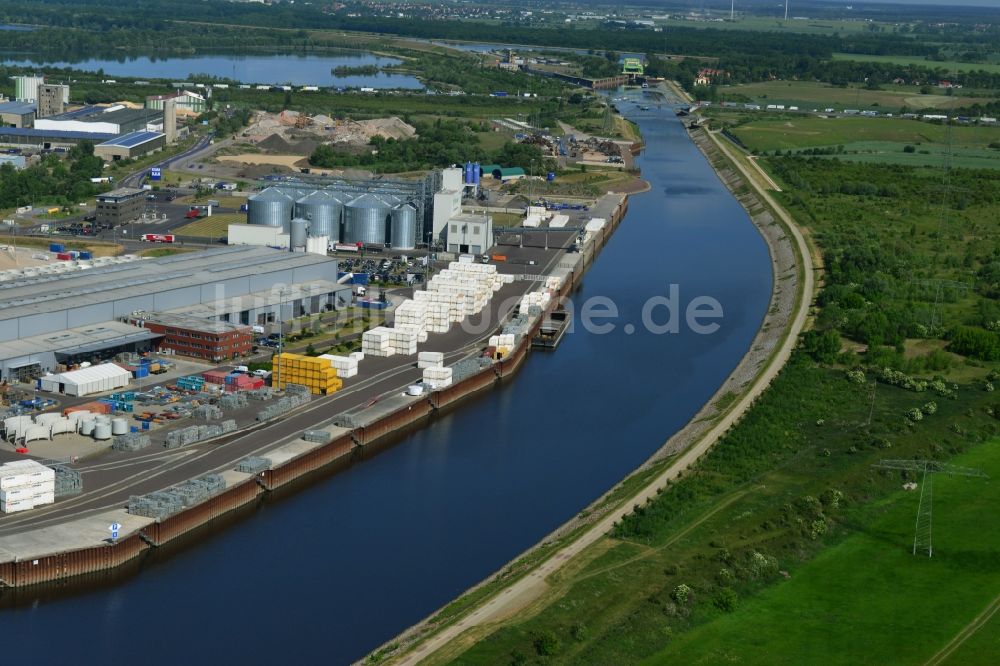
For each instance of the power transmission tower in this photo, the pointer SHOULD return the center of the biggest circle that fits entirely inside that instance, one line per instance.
(928, 468)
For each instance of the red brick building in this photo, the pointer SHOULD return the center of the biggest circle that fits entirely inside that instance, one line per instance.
(196, 337)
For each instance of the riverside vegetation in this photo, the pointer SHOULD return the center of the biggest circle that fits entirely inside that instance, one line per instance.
(785, 527)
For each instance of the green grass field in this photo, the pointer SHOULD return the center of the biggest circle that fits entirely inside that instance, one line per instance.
(868, 599)
(810, 95)
(928, 155)
(215, 226)
(813, 132)
(948, 66)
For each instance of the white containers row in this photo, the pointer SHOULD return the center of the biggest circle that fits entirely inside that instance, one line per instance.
(504, 340)
(345, 366)
(430, 360)
(437, 377)
(25, 484)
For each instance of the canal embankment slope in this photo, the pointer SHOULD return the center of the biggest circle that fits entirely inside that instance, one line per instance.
(787, 316)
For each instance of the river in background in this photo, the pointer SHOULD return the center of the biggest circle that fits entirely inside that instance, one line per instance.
(296, 70)
(333, 571)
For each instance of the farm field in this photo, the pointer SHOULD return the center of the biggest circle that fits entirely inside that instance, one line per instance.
(809, 94)
(811, 132)
(927, 155)
(868, 599)
(947, 65)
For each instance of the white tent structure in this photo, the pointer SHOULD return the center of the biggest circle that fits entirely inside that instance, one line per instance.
(95, 379)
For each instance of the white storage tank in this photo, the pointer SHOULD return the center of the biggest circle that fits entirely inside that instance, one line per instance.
(102, 431)
(298, 234)
(119, 426)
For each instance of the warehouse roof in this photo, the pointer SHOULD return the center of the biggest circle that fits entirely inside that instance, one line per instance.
(102, 114)
(36, 295)
(190, 322)
(19, 108)
(55, 134)
(77, 340)
(119, 193)
(133, 139)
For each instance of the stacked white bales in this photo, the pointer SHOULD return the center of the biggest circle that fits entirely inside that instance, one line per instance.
(345, 366)
(25, 484)
(437, 378)
(426, 359)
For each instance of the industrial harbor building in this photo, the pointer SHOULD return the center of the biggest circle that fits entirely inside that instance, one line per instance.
(17, 114)
(52, 99)
(120, 206)
(49, 320)
(197, 337)
(398, 214)
(133, 144)
(114, 120)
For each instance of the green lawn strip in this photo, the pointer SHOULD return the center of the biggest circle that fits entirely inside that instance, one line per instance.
(868, 599)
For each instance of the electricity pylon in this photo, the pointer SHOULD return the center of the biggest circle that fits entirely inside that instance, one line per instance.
(928, 468)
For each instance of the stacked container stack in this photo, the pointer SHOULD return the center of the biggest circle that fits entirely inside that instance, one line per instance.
(238, 381)
(377, 342)
(345, 366)
(25, 484)
(539, 299)
(430, 360)
(437, 378)
(316, 374)
(403, 340)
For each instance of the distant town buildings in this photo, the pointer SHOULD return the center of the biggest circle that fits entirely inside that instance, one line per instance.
(707, 76)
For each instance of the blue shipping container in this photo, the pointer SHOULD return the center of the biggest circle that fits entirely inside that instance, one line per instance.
(145, 425)
(360, 278)
(86, 255)
(57, 247)
(141, 371)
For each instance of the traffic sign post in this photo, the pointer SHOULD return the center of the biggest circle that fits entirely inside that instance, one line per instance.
(114, 528)
(155, 173)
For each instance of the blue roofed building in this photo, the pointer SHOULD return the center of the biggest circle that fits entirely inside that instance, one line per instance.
(133, 144)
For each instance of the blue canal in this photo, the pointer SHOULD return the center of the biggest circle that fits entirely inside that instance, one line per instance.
(331, 572)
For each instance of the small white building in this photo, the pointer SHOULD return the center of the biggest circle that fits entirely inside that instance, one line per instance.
(467, 233)
(87, 381)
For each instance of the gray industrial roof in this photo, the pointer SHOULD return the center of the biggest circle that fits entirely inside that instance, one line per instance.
(120, 193)
(190, 322)
(36, 295)
(18, 108)
(98, 114)
(76, 340)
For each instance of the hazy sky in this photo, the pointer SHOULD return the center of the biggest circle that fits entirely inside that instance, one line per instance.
(940, 3)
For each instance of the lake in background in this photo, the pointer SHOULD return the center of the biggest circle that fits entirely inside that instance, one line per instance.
(297, 70)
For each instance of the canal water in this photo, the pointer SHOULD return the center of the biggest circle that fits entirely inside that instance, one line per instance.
(296, 70)
(329, 573)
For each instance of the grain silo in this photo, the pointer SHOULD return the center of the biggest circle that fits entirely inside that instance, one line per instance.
(366, 220)
(298, 233)
(323, 210)
(403, 227)
(270, 208)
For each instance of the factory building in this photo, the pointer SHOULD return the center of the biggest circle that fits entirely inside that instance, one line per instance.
(120, 206)
(185, 101)
(26, 87)
(47, 321)
(47, 139)
(133, 144)
(17, 114)
(114, 120)
(197, 337)
(469, 234)
(52, 99)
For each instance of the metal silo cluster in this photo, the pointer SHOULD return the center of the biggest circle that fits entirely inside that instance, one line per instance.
(323, 209)
(366, 220)
(270, 208)
(403, 227)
